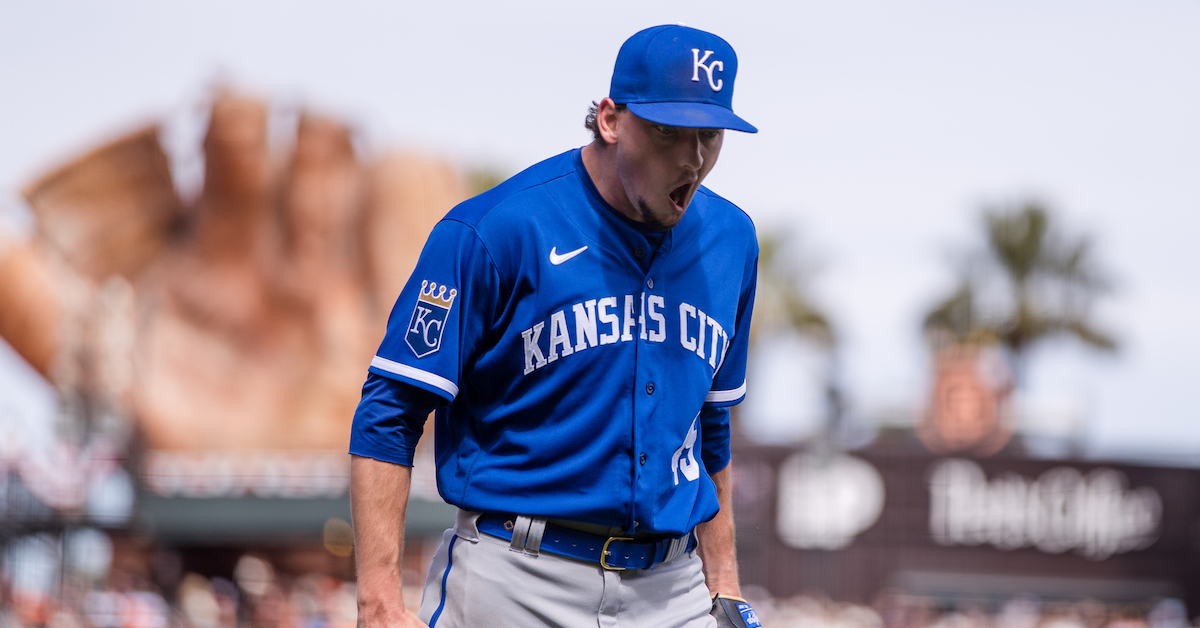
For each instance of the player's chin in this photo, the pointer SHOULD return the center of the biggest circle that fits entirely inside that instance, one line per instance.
(666, 220)
(661, 216)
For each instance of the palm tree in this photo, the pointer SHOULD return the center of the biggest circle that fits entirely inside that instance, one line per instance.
(783, 306)
(1030, 284)
(782, 303)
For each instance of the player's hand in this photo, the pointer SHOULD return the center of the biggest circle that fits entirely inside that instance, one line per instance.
(733, 612)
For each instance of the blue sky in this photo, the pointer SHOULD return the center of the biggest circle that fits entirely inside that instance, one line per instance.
(885, 127)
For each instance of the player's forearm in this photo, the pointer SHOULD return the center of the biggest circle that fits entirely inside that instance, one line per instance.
(717, 541)
(378, 498)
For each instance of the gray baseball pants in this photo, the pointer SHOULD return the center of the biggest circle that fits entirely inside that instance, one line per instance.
(477, 581)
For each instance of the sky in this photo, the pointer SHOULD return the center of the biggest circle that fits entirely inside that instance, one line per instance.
(885, 128)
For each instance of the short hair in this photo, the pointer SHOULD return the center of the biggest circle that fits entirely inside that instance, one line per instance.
(590, 123)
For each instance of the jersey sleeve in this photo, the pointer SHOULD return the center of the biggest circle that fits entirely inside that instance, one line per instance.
(389, 420)
(442, 314)
(729, 384)
(714, 438)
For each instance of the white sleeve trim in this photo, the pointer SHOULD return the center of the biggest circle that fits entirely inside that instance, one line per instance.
(721, 396)
(426, 377)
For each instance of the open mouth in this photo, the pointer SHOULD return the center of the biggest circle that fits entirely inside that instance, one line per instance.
(679, 195)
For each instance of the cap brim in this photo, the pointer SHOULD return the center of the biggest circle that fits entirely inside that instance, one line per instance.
(691, 115)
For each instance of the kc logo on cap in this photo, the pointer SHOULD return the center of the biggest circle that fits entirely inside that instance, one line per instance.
(678, 76)
(698, 64)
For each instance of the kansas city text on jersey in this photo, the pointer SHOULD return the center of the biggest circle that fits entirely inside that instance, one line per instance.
(609, 320)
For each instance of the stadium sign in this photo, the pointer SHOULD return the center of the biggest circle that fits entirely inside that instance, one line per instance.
(1096, 515)
(825, 501)
(893, 516)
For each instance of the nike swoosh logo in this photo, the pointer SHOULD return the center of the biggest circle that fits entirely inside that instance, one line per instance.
(557, 259)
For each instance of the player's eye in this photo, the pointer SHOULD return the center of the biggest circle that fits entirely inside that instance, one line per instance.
(664, 129)
(710, 134)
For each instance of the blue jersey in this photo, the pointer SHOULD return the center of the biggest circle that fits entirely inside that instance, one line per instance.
(585, 373)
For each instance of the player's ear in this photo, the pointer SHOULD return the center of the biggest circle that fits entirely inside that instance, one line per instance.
(606, 120)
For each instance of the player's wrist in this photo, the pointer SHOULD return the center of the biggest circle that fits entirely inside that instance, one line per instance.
(380, 601)
(728, 589)
(723, 579)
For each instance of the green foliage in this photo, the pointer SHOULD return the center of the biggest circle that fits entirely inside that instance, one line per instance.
(1030, 283)
(481, 180)
(782, 302)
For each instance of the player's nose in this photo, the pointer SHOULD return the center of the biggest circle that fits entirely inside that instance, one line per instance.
(690, 149)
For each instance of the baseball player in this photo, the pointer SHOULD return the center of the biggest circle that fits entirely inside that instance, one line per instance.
(581, 332)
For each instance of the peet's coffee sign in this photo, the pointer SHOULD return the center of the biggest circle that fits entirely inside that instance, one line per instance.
(825, 502)
(854, 524)
(1096, 515)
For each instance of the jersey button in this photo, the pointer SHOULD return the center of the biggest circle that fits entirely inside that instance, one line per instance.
(650, 388)
(642, 458)
(650, 283)
(639, 252)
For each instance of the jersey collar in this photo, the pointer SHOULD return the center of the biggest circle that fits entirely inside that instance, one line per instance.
(671, 236)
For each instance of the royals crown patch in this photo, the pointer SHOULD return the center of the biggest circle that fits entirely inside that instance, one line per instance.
(429, 318)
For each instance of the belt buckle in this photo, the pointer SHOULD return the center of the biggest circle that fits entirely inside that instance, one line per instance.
(604, 553)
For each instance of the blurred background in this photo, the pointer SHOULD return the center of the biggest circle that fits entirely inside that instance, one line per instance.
(972, 388)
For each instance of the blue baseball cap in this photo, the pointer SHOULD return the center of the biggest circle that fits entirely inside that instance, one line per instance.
(678, 76)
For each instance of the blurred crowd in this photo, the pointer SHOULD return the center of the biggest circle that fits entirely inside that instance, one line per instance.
(254, 596)
(257, 595)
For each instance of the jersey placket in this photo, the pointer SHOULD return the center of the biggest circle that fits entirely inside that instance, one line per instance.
(648, 380)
